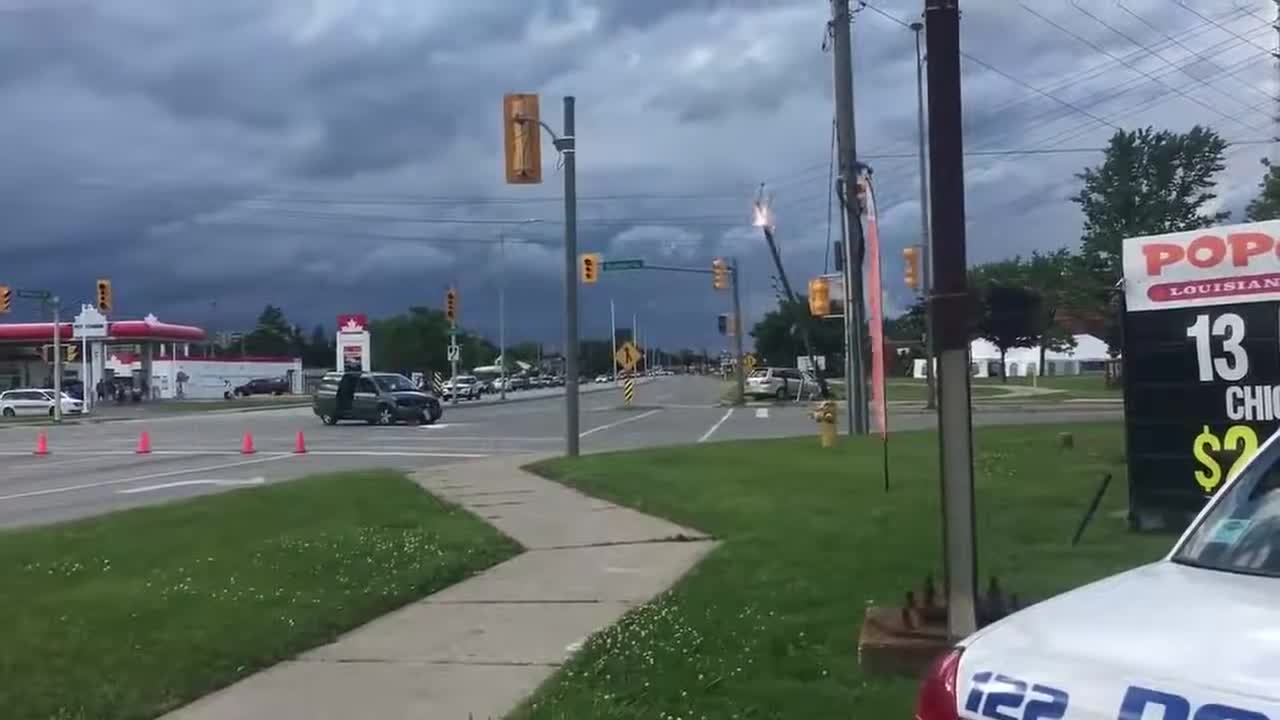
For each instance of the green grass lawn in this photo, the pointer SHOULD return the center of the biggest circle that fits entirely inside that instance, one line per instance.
(1072, 386)
(133, 614)
(767, 625)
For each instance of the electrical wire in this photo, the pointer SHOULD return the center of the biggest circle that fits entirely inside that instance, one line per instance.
(1004, 74)
(1157, 56)
(1197, 55)
(1224, 29)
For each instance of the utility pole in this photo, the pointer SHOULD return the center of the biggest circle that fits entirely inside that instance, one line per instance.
(566, 144)
(613, 338)
(739, 372)
(925, 236)
(57, 359)
(502, 316)
(951, 315)
(854, 247)
(1275, 140)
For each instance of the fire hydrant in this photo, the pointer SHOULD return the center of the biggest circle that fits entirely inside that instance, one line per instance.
(825, 416)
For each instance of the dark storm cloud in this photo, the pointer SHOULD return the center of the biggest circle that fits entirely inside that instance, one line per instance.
(157, 143)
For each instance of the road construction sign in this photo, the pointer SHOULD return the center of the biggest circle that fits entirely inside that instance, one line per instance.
(627, 356)
(749, 362)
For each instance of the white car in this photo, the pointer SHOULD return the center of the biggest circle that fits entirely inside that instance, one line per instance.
(35, 402)
(780, 383)
(1195, 636)
(466, 386)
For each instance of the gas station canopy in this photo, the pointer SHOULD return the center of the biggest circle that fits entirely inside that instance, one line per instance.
(119, 330)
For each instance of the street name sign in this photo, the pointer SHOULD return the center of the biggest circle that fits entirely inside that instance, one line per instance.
(636, 264)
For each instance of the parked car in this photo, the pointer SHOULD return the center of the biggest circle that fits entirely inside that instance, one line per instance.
(780, 383)
(263, 386)
(376, 398)
(33, 402)
(1140, 645)
(467, 387)
(602, 378)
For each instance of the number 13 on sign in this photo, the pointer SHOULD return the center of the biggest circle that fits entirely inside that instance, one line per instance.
(1230, 327)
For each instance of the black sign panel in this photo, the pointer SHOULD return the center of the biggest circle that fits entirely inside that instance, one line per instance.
(1202, 393)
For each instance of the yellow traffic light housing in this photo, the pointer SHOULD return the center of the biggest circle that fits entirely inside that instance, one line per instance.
(522, 135)
(819, 297)
(104, 295)
(589, 268)
(6, 299)
(719, 274)
(451, 305)
(73, 352)
(911, 271)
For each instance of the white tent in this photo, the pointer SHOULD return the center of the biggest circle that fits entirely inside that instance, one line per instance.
(1089, 355)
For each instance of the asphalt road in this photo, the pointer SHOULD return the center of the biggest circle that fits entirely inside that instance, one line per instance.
(93, 468)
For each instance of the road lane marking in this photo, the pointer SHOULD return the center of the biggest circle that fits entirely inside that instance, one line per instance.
(140, 478)
(762, 413)
(715, 427)
(185, 483)
(623, 421)
(51, 463)
(394, 454)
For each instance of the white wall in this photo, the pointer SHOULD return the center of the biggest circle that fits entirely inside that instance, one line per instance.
(1024, 362)
(208, 378)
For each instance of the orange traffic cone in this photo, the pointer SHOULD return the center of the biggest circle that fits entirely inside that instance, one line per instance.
(300, 446)
(42, 444)
(144, 443)
(246, 447)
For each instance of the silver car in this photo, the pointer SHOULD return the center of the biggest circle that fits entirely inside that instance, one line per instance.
(36, 402)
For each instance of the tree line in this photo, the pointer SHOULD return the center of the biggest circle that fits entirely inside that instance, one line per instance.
(417, 341)
(1149, 182)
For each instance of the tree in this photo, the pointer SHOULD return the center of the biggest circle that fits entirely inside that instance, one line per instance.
(779, 340)
(319, 350)
(1266, 206)
(1011, 317)
(273, 335)
(1149, 182)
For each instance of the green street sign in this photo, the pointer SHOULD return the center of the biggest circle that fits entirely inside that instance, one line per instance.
(623, 264)
(35, 294)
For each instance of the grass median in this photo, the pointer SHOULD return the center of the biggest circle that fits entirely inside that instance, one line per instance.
(133, 614)
(767, 626)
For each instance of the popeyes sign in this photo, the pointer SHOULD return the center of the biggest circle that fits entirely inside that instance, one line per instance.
(1210, 266)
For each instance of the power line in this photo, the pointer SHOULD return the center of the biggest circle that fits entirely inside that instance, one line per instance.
(1004, 74)
(1157, 56)
(1199, 56)
(1224, 29)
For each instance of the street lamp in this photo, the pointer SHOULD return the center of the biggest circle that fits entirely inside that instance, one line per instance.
(926, 237)
(502, 305)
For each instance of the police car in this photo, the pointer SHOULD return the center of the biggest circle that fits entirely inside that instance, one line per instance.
(1195, 636)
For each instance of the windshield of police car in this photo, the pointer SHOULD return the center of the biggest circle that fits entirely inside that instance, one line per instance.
(1242, 531)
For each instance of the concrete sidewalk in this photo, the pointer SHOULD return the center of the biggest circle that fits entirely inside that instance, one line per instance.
(475, 650)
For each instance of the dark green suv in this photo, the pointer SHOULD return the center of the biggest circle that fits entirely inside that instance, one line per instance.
(376, 398)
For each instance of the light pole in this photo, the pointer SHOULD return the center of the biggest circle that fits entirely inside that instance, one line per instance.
(502, 306)
(926, 237)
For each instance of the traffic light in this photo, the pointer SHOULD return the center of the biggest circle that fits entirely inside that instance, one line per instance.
(6, 299)
(819, 297)
(104, 295)
(911, 272)
(723, 323)
(589, 268)
(451, 305)
(719, 274)
(522, 135)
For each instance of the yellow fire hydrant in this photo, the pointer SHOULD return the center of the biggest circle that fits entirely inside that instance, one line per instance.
(825, 416)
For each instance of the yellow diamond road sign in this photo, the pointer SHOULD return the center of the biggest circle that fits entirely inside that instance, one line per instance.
(627, 356)
(749, 362)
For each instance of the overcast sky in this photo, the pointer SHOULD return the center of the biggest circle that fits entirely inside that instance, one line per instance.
(214, 156)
